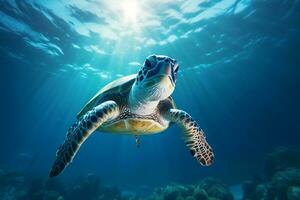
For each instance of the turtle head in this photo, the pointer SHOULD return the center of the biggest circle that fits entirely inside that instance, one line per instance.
(157, 77)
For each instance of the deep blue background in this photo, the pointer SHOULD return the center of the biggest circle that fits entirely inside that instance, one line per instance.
(246, 98)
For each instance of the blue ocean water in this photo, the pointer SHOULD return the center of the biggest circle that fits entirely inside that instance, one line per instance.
(239, 78)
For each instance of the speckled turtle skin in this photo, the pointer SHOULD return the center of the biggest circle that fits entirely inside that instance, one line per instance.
(139, 104)
(127, 122)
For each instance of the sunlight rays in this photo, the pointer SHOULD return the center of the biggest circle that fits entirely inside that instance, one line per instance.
(131, 10)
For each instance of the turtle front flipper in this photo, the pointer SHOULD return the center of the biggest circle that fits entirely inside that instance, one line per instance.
(80, 131)
(194, 136)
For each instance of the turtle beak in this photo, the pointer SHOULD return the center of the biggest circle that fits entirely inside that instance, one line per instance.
(168, 72)
(175, 68)
(172, 74)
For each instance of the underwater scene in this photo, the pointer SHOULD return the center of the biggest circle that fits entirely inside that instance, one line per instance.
(150, 99)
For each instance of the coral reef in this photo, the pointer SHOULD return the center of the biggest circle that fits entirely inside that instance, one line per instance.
(280, 181)
(282, 177)
(281, 159)
(14, 186)
(207, 189)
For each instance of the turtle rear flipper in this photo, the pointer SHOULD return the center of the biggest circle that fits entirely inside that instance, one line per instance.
(80, 131)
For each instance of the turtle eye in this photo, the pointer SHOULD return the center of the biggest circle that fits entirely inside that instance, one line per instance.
(153, 60)
(147, 64)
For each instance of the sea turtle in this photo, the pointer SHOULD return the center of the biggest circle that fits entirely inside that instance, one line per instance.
(138, 104)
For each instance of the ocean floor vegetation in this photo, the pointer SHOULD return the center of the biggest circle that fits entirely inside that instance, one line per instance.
(14, 186)
(281, 178)
(207, 189)
(280, 181)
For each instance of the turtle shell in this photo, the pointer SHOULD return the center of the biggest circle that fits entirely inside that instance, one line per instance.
(116, 87)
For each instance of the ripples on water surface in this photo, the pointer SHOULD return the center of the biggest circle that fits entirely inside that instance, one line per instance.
(239, 66)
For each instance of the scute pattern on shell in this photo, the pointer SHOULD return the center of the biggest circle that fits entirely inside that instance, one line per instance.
(114, 90)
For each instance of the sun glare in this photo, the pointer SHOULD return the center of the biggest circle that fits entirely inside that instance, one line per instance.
(130, 9)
